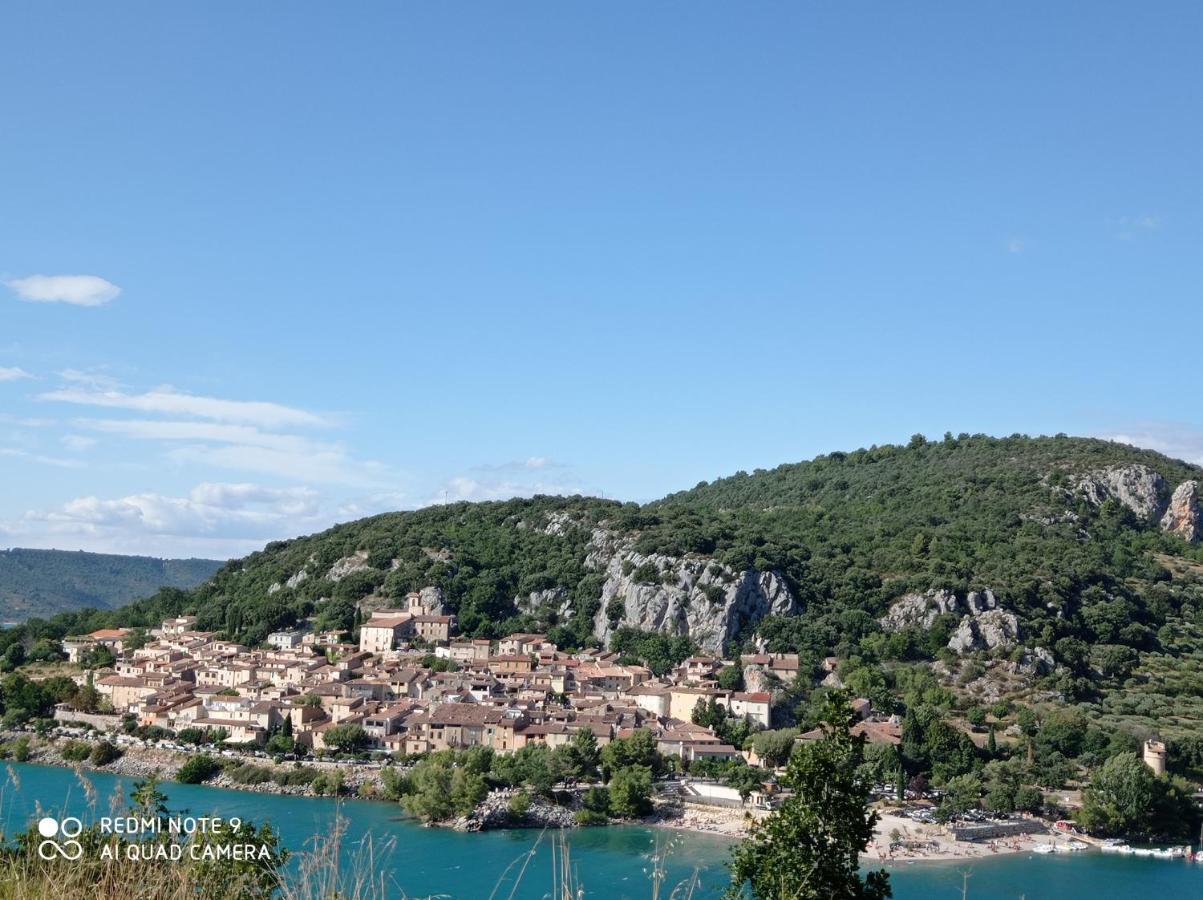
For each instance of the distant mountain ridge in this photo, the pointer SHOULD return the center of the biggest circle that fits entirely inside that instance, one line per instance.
(44, 582)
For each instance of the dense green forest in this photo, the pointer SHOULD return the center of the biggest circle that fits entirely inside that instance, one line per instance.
(44, 582)
(849, 532)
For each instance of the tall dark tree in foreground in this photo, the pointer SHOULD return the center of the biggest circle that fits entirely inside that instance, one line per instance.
(809, 848)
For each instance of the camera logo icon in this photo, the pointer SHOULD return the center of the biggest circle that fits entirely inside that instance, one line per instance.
(60, 838)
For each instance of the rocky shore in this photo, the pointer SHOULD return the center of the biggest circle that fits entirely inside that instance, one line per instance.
(494, 812)
(143, 762)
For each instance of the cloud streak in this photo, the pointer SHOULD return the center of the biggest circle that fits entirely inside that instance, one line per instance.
(247, 448)
(213, 518)
(76, 290)
(1175, 440)
(168, 401)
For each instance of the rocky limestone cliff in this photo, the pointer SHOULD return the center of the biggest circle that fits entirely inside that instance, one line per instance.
(1135, 486)
(348, 565)
(985, 631)
(690, 596)
(1184, 517)
(983, 625)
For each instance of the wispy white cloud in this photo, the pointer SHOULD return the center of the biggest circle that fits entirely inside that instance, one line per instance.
(1016, 245)
(1179, 441)
(464, 487)
(77, 442)
(251, 449)
(530, 464)
(212, 519)
(1127, 228)
(168, 401)
(77, 290)
(320, 463)
(41, 459)
(13, 373)
(90, 378)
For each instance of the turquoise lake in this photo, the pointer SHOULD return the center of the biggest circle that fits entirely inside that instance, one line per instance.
(610, 861)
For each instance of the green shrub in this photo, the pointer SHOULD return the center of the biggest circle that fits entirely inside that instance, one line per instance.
(199, 768)
(296, 777)
(104, 753)
(589, 817)
(76, 751)
(519, 805)
(247, 773)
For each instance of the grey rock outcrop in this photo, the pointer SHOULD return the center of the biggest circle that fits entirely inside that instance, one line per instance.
(983, 626)
(1184, 517)
(690, 596)
(1035, 661)
(919, 610)
(434, 600)
(1135, 486)
(756, 679)
(348, 565)
(494, 812)
(987, 630)
(552, 601)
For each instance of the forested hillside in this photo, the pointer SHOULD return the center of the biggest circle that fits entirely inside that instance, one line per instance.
(45, 582)
(1069, 535)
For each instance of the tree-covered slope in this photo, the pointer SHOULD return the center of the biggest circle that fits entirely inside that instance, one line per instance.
(848, 532)
(45, 582)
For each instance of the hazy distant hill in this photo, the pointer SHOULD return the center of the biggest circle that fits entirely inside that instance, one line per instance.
(44, 582)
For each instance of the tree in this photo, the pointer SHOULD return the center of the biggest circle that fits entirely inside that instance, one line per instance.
(103, 754)
(430, 789)
(774, 747)
(1124, 797)
(147, 800)
(631, 792)
(731, 678)
(637, 750)
(280, 743)
(583, 754)
(98, 657)
(345, 738)
(87, 699)
(467, 789)
(198, 768)
(809, 848)
(961, 795)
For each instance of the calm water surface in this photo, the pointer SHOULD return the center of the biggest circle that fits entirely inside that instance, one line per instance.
(611, 862)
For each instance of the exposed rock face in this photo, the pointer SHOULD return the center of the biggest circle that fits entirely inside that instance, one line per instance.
(553, 601)
(919, 610)
(1184, 517)
(689, 596)
(985, 631)
(559, 523)
(434, 600)
(494, 812)
(756, 679)
(983, 625)
(1135, 486)
(1036, 661)
(356, 562)
(295, 581)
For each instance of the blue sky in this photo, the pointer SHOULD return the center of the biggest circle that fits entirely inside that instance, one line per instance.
(334, 260)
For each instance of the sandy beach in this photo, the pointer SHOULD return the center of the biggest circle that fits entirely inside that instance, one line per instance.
(918, 841)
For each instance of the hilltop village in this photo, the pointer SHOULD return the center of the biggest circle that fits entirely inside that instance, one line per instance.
(414, 688)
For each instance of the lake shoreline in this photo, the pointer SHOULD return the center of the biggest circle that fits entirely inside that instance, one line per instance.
(927, 844)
